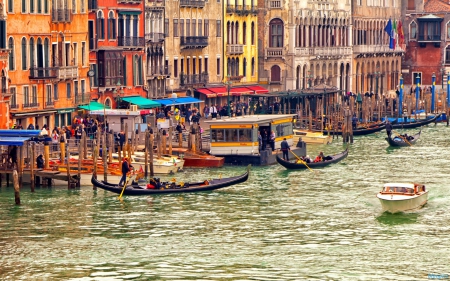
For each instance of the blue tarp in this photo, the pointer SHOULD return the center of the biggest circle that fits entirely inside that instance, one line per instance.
(13, 140)
(20, 133)
(177, 101)
(18, 137)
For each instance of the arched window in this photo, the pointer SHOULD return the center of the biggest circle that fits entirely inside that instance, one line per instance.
(108, 102)
(100, 25)
(244, 33)
(111, 26)
(137, 70)
(32, 8)
(412, 30)
(229, 67)
(448, 30)
(11, 53)
(244, 67)
(275, 74)
(276, 33)
(46, 52)
(253, 66)
(253, 33)
(74, 6)
(32, 53)
(447, 55)
(24, 54)
(237, 67)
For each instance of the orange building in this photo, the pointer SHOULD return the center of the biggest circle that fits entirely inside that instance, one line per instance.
(4, 107)
(48, 60)
(116, 45)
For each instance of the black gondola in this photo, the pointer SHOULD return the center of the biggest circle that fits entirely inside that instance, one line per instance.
(298, 166)
(169, 187)
(415, 124)
(358, 132)
(400, 140)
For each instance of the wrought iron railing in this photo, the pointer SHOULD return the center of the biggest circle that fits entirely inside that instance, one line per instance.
(130, 41)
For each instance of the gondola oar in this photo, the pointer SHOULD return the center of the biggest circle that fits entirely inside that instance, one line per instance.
(125, 185)
(402, 137)
(303, 162)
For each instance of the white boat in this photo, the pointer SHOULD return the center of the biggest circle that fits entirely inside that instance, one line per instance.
(160, 166)
(400, 197)
(311, 137)
(139, 156)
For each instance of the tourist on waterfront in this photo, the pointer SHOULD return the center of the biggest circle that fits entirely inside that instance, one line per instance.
(264, 136)
(285, 148)
(272, 140)
(126, 167)
(206, 112)
(13, 156)
(121, 139)
(78, 134)
(40, 162)
(30, 127)
(44, 131)
(260, 141)
(354, 122)
(68, 133)
(388, 128)
(213, 111)
(55, 139)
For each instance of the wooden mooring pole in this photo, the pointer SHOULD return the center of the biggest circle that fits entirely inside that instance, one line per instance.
(16, 187)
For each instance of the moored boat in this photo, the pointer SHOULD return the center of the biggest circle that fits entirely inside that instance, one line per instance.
(415, 123)
(156, 187)
(360, 131)
(300, 165)
(400, 197)
(311, 137)
(198, 159)
(403, 140)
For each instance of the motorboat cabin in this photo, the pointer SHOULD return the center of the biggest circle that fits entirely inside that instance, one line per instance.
(400, 197)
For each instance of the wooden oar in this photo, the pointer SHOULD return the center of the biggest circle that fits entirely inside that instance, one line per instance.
(125, 185)
(301, 161)
(402, 137)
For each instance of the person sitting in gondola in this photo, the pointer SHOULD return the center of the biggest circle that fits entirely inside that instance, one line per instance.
(305, 159)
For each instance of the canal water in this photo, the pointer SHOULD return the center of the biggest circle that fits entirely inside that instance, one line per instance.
(280, 225)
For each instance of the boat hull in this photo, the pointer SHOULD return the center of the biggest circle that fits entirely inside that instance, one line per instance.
(416, 124)
(311, 137)
(203, 162)
(398, 141)
(402, 203)
(300, 166)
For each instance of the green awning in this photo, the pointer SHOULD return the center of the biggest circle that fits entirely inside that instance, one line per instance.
(142, 102)
(93, 105)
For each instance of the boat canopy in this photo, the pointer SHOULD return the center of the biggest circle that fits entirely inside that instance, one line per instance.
(407, 185)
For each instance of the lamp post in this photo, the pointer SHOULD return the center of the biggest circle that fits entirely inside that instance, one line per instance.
(417, 92)
(400, 97)
(228, 83)
(433, 82)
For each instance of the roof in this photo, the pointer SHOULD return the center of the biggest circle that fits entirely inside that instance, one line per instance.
(93, 105)
(436, 6)
(430, 17)
(142, 102)
(250, 119)
(182, 100)
(407, 185)
(17, 137)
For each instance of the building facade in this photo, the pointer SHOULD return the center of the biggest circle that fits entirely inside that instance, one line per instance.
(4, 53)
(48, 60)
(117, 50)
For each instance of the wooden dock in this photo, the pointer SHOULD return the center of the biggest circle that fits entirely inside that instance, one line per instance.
(46, 175)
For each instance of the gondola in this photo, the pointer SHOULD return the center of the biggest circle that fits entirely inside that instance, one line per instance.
(358, 132)
(297, 166)
(171, 187)
(415, 124)
(399, 140)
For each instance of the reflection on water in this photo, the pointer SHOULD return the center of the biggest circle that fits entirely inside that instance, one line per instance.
(280, 225)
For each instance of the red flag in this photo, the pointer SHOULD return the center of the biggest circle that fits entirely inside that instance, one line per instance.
(401, 36)
(141, 170)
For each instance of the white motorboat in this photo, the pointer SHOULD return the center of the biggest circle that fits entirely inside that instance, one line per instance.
(311, 137)
(400, 197)
(160, 166)
(139, 156)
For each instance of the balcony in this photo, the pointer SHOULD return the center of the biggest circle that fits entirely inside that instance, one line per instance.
(254, 10)
(361, 49)
(30, 105)
(193, 79)
(243, 10)
(82, 98)
(61, 15)
(230, 9)
(43, 72)
(92, 5)
(275, 4)
(14, 106)
(157, 71)
(332, 51)
(429, 38)
(129, 1)
(274, 53)
(68, 72)
(193, 42)
(49, 104)
(154, 37)
(192, 3)
(130, 41)
(235, 49)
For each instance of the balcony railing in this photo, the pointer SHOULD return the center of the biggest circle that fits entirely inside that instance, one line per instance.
(193, 42)
(192, 3)
(274, 52)
(50, 103)
(131, 41)
(92, 5)
(275, 4)
(82, 98)
(30, 105)
(254, 10)
(110, 82)
(61, 15)
(230, 9)
(68, 72)
(335, 51)
(130, 1)
(158, 70)
(429, 38)
(14, 106)
(43, 72)
(193, 79)
(235, 49)
(154, 37)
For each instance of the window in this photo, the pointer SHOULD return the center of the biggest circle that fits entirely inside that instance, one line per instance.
(166, 27)
(100, 25)
(253, 66)
(10, 6)
(111, 26)
(182, 66)
(275, 74)
(415, 76)
(83, 53)
(24, 54)
(218, 66)
(137, 70)
(94, 79)
(181, 27)
(34, 100)
(32, 6)
(175, 28)
(55, 91)
(244, 33)
(13, 99)
(75, 54)
(206, 33)
(200, 28)
(74, 6)
(276, 33)
(253, 33)
(244, 67)
(448, 30)
(429, 31)
(32, 64)
(83, 90)
(24, 6)
(413, 30)
(124, 67)
(175, 68)
(3, 34)
(11, 53)
(447, 55)
(110, 70)
(39, 6)
(218, 28)
(82, 8)
(194, 27)
(48, 93)
(188, 27)
(46, 6)
(26, 96)
(206, 65)
(75, 88)
(411, 5)
(68, 90)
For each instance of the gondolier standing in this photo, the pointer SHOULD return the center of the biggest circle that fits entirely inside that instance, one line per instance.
(285, 148)
(126, 167)
(388, 128)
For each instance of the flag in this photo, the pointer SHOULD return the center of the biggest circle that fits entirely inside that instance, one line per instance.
(388, 29)
(401, 36)
(394, 33)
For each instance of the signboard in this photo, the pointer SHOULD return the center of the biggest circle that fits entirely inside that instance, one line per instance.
(117, 112)
(68, 110)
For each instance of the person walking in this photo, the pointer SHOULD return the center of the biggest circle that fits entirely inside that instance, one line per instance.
(285, 148)
(213, 111)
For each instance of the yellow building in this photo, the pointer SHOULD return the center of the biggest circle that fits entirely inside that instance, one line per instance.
(48, 60)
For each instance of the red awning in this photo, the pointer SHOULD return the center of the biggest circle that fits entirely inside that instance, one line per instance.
(220, 91)
(258, 89)
(240, 90)
(208, 93)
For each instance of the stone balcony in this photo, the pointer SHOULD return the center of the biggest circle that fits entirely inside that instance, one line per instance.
(68, 72)
(272, 52)
(235, 49)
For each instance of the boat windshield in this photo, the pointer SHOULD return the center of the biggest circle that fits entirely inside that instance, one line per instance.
(398, 189)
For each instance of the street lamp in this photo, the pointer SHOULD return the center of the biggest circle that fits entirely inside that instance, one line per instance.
(228, 83)
(433, 82)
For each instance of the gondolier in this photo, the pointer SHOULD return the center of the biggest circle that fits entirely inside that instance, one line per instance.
(285, 148)
(388, 128)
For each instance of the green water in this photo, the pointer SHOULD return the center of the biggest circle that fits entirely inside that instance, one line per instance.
(280, 225)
